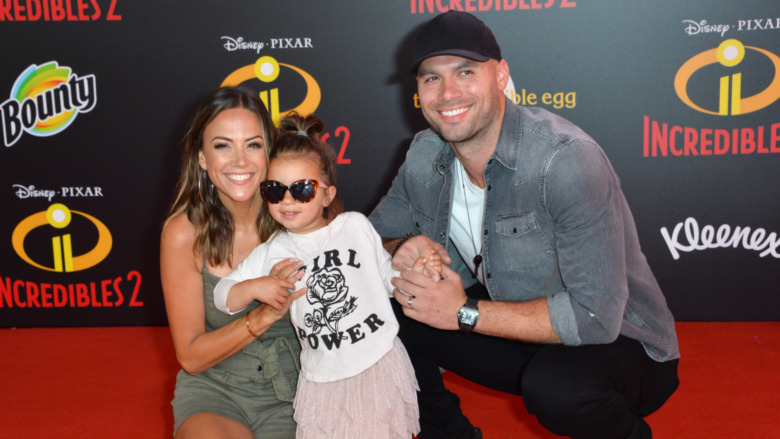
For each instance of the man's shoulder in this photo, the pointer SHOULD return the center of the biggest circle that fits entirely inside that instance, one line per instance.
(542, 123)
(530, 136)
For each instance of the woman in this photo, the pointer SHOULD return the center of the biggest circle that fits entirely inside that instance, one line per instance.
(238, 372)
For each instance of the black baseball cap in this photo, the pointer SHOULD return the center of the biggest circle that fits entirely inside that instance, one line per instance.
(455, 33)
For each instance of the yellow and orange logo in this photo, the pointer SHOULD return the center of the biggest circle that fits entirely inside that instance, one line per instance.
(58, 216)
(729, 53)
(267, 69)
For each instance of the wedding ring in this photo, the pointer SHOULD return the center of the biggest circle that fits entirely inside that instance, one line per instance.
(409, 301)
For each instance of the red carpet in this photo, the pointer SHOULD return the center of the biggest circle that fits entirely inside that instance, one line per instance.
(117, 383)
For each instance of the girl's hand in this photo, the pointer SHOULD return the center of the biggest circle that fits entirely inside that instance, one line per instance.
(274, 290)
(271, 290)
(417, 247)
(429, 265)
(285, 268)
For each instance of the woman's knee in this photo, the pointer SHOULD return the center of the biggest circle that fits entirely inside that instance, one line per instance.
(212, 426)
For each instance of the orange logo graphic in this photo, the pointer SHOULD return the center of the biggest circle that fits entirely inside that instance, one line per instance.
(59, 216)
(729, 53)
(267, 69)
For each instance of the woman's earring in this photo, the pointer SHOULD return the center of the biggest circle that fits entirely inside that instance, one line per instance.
(200, 192)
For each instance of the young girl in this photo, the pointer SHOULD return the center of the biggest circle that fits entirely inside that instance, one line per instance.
(356, 379)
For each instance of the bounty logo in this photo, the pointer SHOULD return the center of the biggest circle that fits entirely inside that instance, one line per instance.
(726, 62)
(267, 70)
(45, 100)
(44, 225)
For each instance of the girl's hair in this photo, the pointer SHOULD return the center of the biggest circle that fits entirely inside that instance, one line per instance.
(300, 136)
(196, 195)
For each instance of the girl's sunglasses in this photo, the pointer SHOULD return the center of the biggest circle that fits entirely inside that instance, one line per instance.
(301, 191)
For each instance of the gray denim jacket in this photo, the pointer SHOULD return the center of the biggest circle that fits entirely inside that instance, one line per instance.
(556, 225)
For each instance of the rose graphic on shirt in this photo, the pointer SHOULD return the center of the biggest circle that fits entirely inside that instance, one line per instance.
(328, 289)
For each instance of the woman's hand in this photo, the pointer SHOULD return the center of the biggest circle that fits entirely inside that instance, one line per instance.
(265, 315)
(272, 314)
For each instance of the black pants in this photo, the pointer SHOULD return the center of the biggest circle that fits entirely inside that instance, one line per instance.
(591, 391)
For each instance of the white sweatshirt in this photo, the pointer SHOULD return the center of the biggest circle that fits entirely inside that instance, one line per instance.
(344, 321)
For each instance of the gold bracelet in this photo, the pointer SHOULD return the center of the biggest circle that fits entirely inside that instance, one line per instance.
(247, 326)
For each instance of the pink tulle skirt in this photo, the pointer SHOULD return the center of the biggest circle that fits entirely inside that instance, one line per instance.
(380, 402)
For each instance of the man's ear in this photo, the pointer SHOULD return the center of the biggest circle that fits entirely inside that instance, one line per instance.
(502, 74)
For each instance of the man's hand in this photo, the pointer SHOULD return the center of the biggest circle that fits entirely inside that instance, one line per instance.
(433, 303)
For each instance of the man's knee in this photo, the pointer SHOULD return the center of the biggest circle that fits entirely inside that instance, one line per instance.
(572, 399)
(547, 397)
(581, 411)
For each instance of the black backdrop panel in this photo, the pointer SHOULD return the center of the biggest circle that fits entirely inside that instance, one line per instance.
(683, 97)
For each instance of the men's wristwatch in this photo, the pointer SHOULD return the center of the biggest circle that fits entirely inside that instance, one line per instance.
(468, 315)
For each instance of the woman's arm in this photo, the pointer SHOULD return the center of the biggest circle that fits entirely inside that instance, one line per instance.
(180, 271)
(243, 287)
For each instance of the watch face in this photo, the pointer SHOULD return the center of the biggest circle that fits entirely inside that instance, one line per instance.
(468, 316)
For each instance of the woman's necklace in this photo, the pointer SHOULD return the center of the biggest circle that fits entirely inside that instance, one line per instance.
(478, 258)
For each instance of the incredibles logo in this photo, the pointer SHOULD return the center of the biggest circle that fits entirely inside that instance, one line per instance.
(730, 54)
(267, 70)
(58, 217)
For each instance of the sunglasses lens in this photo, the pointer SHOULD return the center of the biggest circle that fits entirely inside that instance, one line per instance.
(303, 191)
(272, 192)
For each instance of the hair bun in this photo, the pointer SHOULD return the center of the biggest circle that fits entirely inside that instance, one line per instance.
(295, 124)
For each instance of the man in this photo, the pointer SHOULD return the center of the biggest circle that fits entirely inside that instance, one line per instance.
(563, 308)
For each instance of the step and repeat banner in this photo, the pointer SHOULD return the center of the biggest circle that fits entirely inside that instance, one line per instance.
(95, 96)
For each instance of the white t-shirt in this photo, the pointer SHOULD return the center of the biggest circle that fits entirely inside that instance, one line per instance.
(344, 321)
(467, 212)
